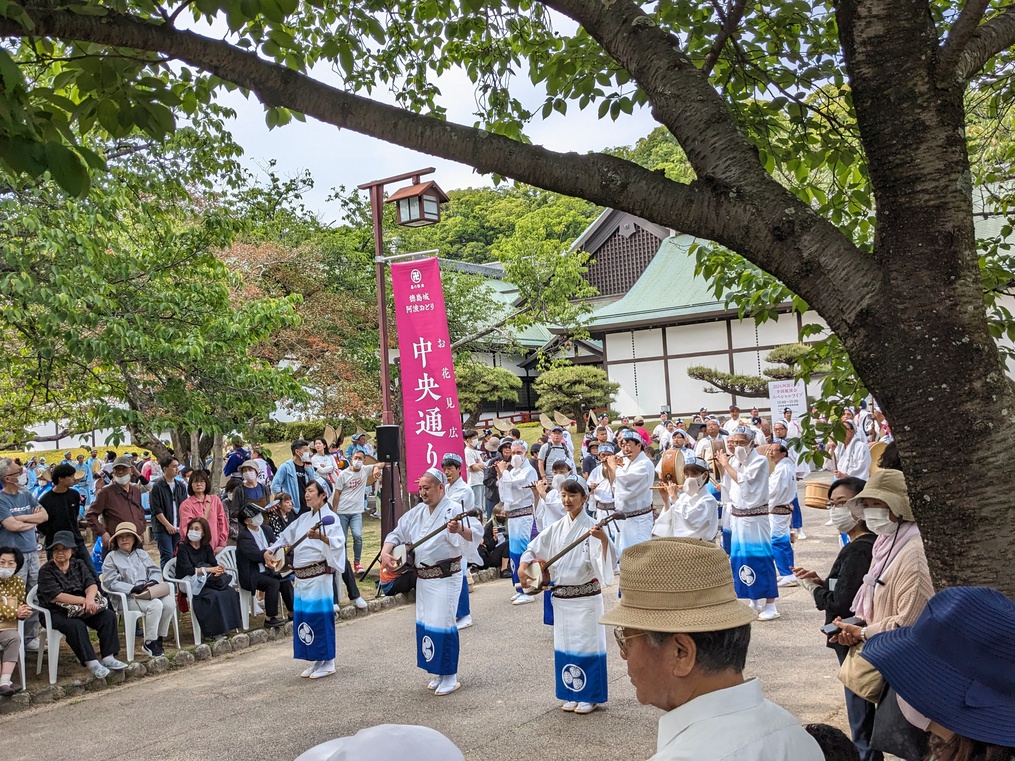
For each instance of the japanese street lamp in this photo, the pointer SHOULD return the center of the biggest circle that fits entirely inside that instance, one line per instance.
(416, 205)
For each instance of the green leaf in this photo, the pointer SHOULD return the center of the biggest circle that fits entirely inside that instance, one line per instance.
(67, 169)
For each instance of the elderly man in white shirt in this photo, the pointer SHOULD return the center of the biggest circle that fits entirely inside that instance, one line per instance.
(685, 638)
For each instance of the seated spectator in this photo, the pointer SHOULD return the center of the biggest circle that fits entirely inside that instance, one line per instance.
(280, 513)
(392, 583)
(835, 594)
(63, 506)
(252, 558)
(216, 604)
(203, 504)
(953, 671)
(685, 637)
(494, 550)
(129, 569)
(387, 741)
(69, 588)
(12, 609)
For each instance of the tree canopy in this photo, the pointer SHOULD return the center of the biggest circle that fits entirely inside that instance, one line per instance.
(828, 144)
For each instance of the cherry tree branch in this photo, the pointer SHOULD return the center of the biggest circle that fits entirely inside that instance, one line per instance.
(990, 38)
(961, 33)
(730, 21)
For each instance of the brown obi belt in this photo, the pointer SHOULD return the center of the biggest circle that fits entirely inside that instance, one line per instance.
(639, 511)
(762, 509)
(519, 512)
(441, 570)
(313, 570)
(782, 510)
(570, 591)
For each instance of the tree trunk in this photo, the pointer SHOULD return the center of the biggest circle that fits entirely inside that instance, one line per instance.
(195, 449)
(177, 440)
(147, 440)
(216, 463)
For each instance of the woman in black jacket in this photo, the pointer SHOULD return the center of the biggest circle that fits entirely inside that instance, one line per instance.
(216, 604)
(835, 594)
(252, 543)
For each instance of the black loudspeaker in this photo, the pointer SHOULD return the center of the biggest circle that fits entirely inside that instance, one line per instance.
(388, 446)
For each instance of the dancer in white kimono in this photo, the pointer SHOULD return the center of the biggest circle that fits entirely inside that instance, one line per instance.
(579, 640)
(550, 508)
(781, 491)
(460, 492)
(601, 499)
(518, 493)
(632, 488)
(315, 560)
(438, 578)
(693, 513)
(753, 565)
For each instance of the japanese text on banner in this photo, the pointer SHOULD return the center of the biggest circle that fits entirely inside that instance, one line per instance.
(433, 424)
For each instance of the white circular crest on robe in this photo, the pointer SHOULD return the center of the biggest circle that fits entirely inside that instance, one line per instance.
(428, 649)
(573, 677)
(747, 575)
(306, 633)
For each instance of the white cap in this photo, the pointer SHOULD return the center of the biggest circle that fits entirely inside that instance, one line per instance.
(386, 742)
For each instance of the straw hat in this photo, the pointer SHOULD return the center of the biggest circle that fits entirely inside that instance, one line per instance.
(561, 419)
(889, 486)
(545, 421)
(501, 425)
(124, 528)
(491, 444)
(673, 584)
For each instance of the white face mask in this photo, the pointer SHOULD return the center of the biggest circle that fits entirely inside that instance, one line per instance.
(194, 536)
(248, 477)
(23, 480)
(357, 464)
(741, 453)
(693, 484)
(558, 481)
(842, 519)
(6, 573)
(517, 460)
(256, 521)
(878, 521)
(306, 457)
(122, 480)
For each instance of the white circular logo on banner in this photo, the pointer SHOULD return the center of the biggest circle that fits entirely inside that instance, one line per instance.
(747, 575)
(573, 677)
(416, 276)
(305, 633)
(427, 649)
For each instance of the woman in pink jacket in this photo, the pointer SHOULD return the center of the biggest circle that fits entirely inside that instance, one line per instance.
(203, 504)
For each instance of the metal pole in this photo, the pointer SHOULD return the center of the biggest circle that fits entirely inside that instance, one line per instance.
(377, 213)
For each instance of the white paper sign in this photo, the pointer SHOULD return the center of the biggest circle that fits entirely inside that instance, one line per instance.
(787, 393)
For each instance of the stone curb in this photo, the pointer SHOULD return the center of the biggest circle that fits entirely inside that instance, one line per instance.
(188, 656)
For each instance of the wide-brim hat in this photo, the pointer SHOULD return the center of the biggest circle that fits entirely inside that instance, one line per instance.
(492, 444)
(501, 425)
(561, 419)
(675, 584)
(889, 486)
(246, 464)
(249, 510)
(545, 420)
(126, 527)
(64, 539)
(956, 664)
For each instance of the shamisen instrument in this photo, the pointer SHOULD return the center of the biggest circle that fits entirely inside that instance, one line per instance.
(277, 563)
(536, 577)
(404, 555)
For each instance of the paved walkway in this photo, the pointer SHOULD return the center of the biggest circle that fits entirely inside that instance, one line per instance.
(253, 705)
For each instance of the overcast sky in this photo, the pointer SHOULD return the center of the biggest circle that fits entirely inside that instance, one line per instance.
(340, 157)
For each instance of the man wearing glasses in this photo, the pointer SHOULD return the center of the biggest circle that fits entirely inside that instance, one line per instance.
(684, 637)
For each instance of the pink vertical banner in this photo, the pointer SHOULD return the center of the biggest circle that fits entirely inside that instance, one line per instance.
(433, 424)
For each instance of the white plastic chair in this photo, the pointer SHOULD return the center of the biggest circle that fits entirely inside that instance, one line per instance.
(131, 617)
(227, 559)
(169, 575)
(21, 655)
(53, 637)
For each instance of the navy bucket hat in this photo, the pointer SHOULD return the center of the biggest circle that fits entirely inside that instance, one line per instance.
(956, 664)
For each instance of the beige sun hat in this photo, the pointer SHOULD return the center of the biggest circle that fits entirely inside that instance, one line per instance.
(889, 486)
(126, 527)
(561, 419)
(674, 584)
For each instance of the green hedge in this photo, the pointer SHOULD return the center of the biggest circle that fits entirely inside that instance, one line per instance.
(308, 429)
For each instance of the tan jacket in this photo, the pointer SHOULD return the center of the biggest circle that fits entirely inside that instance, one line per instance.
(907, 588)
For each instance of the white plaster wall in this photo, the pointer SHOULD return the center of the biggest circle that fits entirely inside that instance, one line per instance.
(688, 339)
